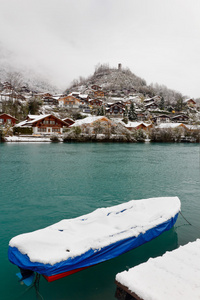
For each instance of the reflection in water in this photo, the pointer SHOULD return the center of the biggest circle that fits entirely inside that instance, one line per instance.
(45, 183)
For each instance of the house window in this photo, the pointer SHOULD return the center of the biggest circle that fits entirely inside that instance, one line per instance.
(1, 121)
(41, 130)
(52, 122)
(9, 121)
(55, 129)
(45, 122)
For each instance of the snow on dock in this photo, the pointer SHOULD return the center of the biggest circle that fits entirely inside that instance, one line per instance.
(175, 275)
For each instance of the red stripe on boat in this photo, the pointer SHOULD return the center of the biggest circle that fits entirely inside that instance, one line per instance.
(61, 275)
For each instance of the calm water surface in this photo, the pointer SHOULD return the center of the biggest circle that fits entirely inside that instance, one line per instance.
(40, 184)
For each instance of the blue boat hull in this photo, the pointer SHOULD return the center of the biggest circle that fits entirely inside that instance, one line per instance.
(89, 258)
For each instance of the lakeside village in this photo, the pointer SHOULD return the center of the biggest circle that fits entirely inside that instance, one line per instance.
(92, 112)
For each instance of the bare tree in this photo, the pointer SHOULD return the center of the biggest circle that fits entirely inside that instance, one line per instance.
(14, 79)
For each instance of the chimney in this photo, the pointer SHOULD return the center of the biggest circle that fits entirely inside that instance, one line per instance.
(119, 67)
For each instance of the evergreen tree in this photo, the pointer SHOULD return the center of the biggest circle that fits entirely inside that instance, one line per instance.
(162, 104)
(125, 112)
(179, 104)
(132, 116)
(33, 106)
(101, 111)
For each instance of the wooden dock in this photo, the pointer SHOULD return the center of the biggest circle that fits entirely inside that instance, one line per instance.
(123, 293)
(175, 275)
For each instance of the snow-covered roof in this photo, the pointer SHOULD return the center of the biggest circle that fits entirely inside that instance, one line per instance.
(175, 275)
(133, 124)
(116, 99)
(83, 96)
(193, 127)
(87, 120)
(186, 100)
(20, 124)
(37, 118)
(177, 116)
(8, 115)
(34, 118)
(150, 103)
(169, 125)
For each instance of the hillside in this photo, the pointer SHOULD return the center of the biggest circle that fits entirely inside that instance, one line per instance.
(123, 81)
(10, 71)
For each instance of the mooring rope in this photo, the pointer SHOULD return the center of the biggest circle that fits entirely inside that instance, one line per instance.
(185, 218)
(36, 285)
(26, 290)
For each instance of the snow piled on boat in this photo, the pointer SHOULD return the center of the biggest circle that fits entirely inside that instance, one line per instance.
(175, 275)
(73, 237)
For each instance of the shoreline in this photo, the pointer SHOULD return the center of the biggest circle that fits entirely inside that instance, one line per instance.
(42, 139)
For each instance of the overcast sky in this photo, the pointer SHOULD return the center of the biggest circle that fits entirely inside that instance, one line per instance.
(158, 40)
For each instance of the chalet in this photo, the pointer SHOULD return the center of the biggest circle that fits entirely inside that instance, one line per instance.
(152, 99)
(97, 94)
(74, 94)
(88, 124)
(87, 110)
(7, 85)
(128, 102)
(190, 102)
(136, 125)
(7, 95)
(156, 98)
(148, 100)
(69, 101)
(6, 119)
(49, 100)
(96, 87)
(120, 103)
(193, 128)
(151, 106)
(42, 95)
(24, 89)
(115, 110)
(95, 102)
(44, 124)
(68, 121)
(83, 97)
(161, 119)
(91, 121)
(171, 125)
(180, 118)
(148, 126)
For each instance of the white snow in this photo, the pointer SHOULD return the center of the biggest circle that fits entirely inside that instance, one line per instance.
(32, 119)
(169, 125)
(175, 275)
(132, 124)
(104, 226)
(87, 120)
(25, 139)
(193, 127)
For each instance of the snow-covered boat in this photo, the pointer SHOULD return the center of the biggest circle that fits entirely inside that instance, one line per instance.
(72, 245)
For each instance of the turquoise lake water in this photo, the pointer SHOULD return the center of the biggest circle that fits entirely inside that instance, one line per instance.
(40, 184)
